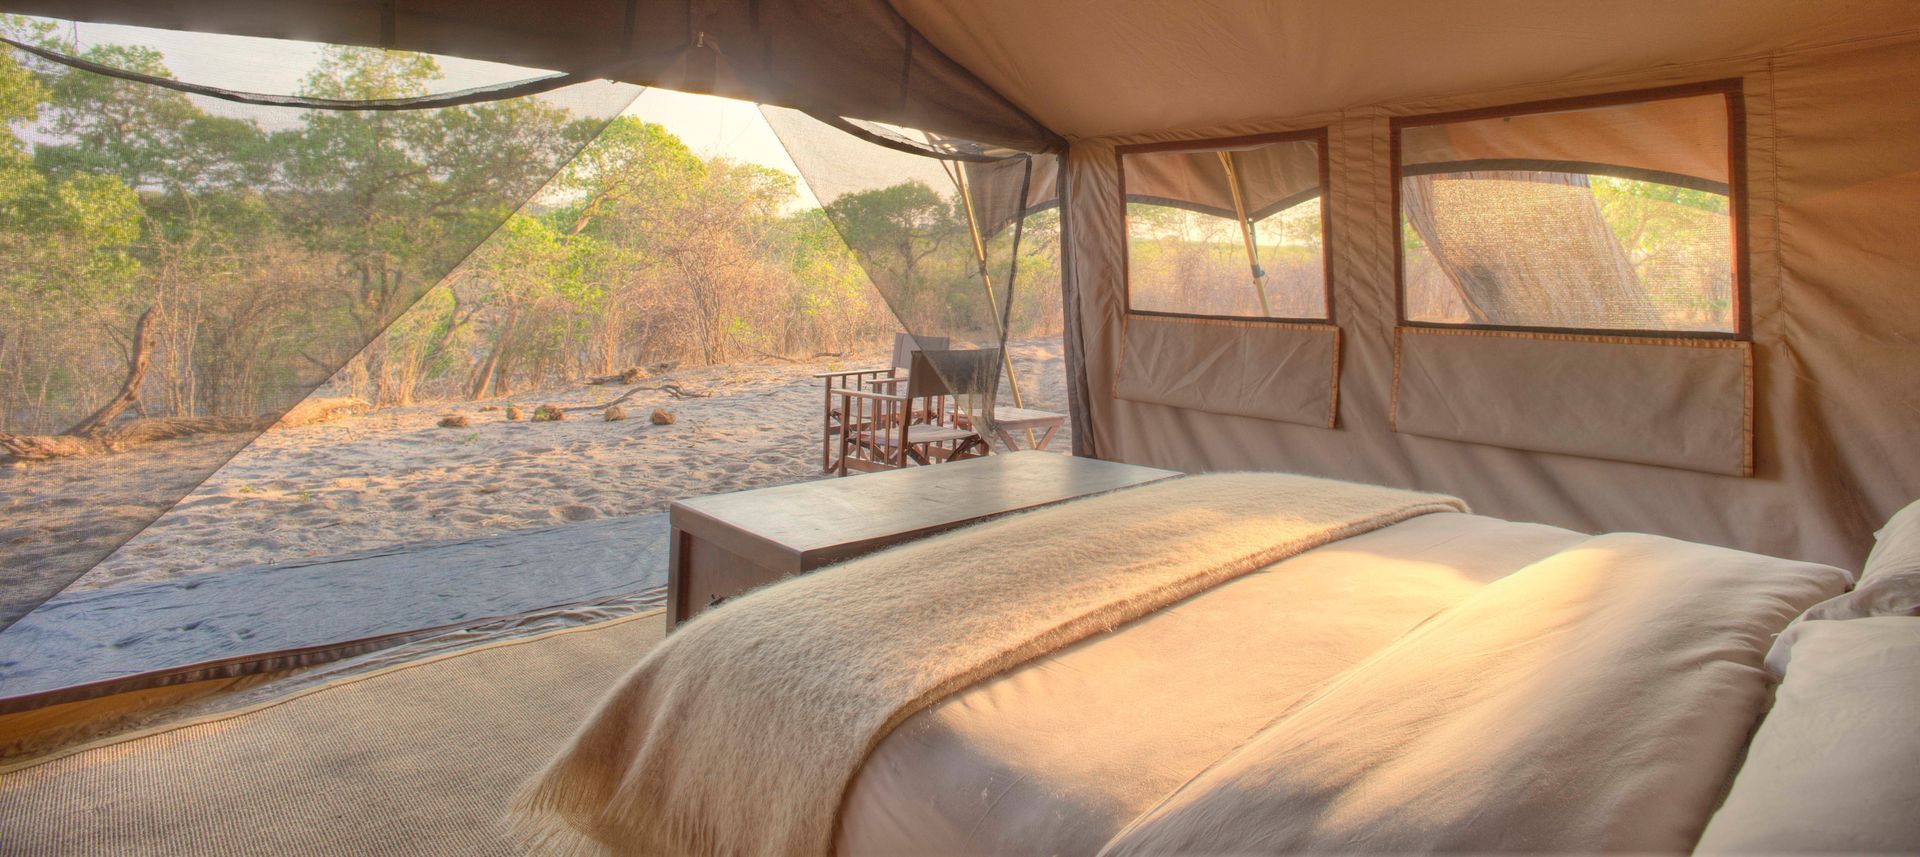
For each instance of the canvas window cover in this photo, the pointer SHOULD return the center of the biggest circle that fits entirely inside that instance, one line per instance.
(1229, 228)
(1614, 214)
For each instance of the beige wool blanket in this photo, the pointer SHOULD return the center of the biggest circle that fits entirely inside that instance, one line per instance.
(740, 734)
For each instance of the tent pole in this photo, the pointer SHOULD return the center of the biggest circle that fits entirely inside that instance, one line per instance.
(959, 175)
(1246, 234)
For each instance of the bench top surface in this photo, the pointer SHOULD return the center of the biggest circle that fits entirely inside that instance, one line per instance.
(834, 514)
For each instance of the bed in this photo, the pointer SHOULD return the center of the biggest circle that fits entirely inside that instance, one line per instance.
(1396, 674)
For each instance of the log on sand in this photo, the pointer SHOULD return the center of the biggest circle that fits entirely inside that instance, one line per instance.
(24, 447)
(313, 411)
(101, 432)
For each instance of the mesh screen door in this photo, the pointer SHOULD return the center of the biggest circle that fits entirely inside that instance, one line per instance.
(180, 271)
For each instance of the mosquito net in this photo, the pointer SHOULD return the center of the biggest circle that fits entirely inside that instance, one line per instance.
(937, 225)
(211, 236)
(1227, 228)
(1617, 217)
(181, 271)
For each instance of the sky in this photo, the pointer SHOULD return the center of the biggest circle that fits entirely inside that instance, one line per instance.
(711, 126)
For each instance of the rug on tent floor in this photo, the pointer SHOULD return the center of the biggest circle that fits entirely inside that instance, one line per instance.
(420, 759)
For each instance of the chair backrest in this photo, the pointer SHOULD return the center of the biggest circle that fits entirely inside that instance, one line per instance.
(905, 344)
(968, 372)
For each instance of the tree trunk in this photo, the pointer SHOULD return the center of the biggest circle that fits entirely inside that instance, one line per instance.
(1531, 252)
(137, 363)
(489, 380)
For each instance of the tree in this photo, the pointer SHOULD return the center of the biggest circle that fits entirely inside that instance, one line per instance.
(894, 230)
(398, 198)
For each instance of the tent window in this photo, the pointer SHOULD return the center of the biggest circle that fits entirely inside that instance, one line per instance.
(1228, 228)
(1615, 214)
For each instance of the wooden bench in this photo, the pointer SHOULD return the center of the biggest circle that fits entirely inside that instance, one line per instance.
(726, 544)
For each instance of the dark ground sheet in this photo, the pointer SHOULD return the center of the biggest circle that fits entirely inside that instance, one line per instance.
(80, 637)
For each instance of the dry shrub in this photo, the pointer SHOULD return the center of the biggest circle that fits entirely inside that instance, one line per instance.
(453, 421)
(661, 417)
(548, 414)
(616, 413)
(513, 412)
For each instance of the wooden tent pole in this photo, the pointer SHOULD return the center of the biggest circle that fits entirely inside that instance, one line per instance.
(959, 175)
(1246, 233)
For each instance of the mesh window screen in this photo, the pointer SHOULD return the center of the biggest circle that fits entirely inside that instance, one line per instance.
(935, 223)
(1227, 229)
(181, 271)
(1616, 217)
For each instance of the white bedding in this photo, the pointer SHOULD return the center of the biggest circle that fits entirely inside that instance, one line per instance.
(1056, 756)
(1836, 766)
(1133, 727)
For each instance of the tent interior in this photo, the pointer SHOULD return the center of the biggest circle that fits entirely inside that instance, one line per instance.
(1489, 426)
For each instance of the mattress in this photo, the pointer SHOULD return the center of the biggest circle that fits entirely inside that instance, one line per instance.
(1056, 756)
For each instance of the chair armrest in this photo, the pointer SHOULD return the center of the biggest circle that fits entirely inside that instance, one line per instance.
(849, 393)
(849, 372)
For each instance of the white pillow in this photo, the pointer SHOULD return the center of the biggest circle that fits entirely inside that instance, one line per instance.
(1835, 767)
(1889, 585)
(1896, 548)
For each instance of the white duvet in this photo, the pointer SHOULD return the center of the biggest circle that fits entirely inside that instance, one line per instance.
(1596, 700)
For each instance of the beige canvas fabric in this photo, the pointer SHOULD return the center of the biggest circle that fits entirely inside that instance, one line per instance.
(662, 767)
(1286, 372)
(1135, 67)
(1056, 756)
(1674, 403)
(1682, 136)
(1833, 203)
(829, 57)
(1595, 701)
(1271, 176)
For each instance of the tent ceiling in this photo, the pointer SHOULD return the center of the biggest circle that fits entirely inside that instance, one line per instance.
(1135, 66)
(1079, 69)
(854, 58)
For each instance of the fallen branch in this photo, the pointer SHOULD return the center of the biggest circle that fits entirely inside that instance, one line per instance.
(626, 376)
(674, 390)
(26, 447)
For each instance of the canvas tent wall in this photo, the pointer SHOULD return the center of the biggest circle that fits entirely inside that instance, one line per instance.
(1832, 201)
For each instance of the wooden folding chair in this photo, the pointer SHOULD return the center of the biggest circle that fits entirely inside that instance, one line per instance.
(884, 380)
(927, 424)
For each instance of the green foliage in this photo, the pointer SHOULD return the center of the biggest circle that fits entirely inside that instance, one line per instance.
(271, 256)
(1679, 242)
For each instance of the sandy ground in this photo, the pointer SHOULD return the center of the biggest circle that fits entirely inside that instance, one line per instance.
(394, 476)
